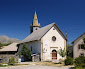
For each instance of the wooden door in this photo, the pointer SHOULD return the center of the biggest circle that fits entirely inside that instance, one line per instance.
(54, 54)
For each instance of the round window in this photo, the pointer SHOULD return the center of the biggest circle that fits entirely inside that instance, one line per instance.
(54, 38)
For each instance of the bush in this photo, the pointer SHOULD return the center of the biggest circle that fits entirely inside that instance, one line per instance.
(78, 67)
(80, 61)
(83, 65)
(12, 61)
(62, 52)
(68, 61)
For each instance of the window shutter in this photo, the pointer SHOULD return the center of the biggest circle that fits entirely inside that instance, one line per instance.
(79, 46)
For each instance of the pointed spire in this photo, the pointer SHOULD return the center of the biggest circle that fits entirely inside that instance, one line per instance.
(35, 15)
(35, 20)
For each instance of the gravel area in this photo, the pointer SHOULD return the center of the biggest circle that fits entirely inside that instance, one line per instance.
(34, 67)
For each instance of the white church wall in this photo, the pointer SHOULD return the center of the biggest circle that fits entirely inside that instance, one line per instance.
(49, 45)
(35, 45)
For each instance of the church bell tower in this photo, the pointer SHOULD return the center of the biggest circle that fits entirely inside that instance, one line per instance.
(35, 25)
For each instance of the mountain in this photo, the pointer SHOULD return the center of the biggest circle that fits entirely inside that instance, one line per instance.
(6, 39)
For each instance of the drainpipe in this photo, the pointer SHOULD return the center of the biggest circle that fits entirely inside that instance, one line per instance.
(41, 41)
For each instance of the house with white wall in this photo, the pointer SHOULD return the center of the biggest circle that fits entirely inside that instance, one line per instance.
(45, 41)
(77, 46)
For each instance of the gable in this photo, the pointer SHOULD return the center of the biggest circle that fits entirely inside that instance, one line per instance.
(54, 31)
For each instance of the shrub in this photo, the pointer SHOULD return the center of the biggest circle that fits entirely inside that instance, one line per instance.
(62, 52)
(68, 61)
(83, 65)
(80, 61)
(78, 67)
(12, 61)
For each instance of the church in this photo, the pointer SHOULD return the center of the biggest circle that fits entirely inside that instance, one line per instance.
(45, 41)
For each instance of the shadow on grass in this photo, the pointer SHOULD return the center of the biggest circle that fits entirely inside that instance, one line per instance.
(71, 67)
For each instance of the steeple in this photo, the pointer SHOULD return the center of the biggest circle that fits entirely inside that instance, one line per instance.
(35, 25)
(35, 21)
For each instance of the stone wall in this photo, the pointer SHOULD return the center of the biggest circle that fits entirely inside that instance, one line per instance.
(4, 58)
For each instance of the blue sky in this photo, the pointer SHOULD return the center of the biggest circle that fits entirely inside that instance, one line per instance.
(17, 15)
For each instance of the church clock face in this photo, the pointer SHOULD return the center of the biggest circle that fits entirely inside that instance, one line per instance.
(53, 38)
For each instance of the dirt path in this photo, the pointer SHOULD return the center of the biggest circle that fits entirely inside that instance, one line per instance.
(34, 67)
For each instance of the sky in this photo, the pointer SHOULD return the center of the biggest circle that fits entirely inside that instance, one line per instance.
(17, 15)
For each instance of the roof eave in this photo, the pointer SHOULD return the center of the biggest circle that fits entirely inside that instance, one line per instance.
(28, 41)
(77, 38)
(61, 32)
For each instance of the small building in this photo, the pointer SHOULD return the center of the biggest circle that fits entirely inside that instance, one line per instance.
(7, 52)
(45, 41)
(35, 57)
(77, 50)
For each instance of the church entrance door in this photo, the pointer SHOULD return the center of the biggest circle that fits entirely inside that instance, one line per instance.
(54, 54)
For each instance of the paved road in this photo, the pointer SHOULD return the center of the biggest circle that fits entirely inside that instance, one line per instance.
(34, 67)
